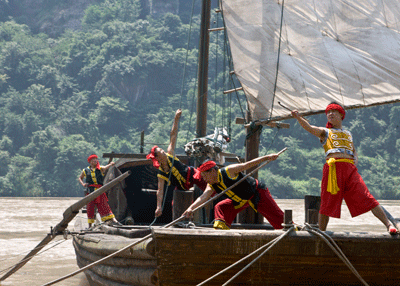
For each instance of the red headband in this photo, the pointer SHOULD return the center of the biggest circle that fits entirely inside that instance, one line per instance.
(152, 156)
(334, 106)
(206, 166)
(94, 156)
(202, 168)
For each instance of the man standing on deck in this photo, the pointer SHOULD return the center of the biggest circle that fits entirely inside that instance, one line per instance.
(94, 175)
(250, 192)
(182, 177)
(340, 177)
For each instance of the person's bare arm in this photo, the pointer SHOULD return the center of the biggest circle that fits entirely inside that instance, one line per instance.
(200, 200)
(80, 179)
(314, 130)
(160, 196)
(235, 169)
(174, 133)
(106, 167)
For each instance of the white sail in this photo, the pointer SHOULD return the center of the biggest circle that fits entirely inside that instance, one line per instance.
(343, 51)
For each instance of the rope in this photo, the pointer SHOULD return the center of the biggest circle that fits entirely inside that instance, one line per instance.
(226, 51)
(277, 62)
(197, 71)
(336, 249)
(30, 257)
(273, 242)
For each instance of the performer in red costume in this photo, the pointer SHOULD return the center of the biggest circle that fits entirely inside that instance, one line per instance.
(250, 192)
(94, 175)
(340, 177)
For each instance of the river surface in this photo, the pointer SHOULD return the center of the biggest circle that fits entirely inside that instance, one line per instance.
(24, 222)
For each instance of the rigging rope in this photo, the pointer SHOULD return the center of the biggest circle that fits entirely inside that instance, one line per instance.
(228, 54)
(30, 257)
(273, 242)
(336, 249)
(277, 62)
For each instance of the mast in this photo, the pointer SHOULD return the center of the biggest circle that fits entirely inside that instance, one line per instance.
(201, 127)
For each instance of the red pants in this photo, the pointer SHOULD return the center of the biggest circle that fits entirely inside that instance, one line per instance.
(102, 206)
(352, 189)
(225, 210)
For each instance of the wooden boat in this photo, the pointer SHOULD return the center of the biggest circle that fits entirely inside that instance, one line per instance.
(301, 55)
(190, 256)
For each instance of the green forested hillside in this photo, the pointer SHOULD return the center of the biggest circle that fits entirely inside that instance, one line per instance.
(70, 92)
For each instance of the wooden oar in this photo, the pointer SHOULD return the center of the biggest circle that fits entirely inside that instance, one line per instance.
(68, 215)
(104, 259)
(395, 222)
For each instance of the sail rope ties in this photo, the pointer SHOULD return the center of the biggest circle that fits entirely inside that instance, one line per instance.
(268, 246)
(336, 249)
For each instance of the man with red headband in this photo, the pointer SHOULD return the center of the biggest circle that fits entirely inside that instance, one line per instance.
(94, 175)
(250, 192)
(340, 177)
(182, 176)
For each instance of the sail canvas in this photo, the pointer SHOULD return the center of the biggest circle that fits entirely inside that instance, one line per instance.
(306, 54)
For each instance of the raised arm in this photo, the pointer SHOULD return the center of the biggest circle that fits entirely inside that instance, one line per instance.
(235, 169)
(314, 130)
(174, 133)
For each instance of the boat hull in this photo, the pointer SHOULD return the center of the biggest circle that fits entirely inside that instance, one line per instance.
(134, 266)
(189, 256)
(300, 258)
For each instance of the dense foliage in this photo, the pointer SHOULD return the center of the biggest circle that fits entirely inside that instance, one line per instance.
(95, 89)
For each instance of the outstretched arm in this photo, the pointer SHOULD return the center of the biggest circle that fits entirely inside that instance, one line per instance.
(314, 130)
(105, 168)
(174, 132)
(200, 200)
(235, 169)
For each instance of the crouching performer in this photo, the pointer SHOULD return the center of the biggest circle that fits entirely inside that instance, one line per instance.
(250, 192)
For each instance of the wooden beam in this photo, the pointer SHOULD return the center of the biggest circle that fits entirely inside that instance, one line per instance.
(141, 158)
(216, 29)
(241, 121)
(233, 90)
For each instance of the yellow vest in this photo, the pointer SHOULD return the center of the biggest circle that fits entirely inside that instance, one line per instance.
(338, 141)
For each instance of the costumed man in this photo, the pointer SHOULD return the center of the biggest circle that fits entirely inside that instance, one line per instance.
(94, 175)
(250, 192)
(340, 177)
(182, 177)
